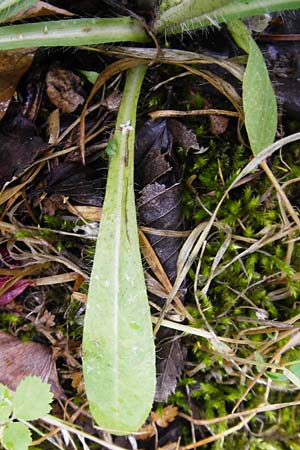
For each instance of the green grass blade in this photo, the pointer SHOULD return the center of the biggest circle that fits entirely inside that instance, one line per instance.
(118, 346)
(72, 32)
(259, 100)
(236, 9)
(9, 8)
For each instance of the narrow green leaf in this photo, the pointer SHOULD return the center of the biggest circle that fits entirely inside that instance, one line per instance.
(9, 8)
(259, 101)
(118, 346)
(240, 33)
(32, 399)
(71, 32)
(16, 436)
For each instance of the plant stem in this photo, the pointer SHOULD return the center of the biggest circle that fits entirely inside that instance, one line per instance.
(71, 33)
(186, 10)
(231, 11)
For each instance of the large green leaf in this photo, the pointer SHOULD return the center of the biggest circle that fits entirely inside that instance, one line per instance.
(9, 8)
(118, 346)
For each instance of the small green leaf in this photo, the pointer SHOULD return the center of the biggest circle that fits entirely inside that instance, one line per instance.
(32, 399)
(278, 377)
(111, 147)
(5, 403)
(90, 75)
(16, 436)
(259, 101)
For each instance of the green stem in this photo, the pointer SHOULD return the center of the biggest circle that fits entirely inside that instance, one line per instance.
(234, 10)
(71, 33)
(186, 10)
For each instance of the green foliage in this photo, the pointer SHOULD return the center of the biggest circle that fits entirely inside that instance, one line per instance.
(30, 402)
(259, 99)
(240, 297)
(16, 436)
(175, 17)
(118, 346)
(5, 403)
(90, 75)
(119, 359)
(32, 399)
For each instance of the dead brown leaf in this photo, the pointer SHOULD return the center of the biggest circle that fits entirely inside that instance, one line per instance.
(77, 381)
(63, 89)
(13, 65)
(21, 359)
(146, 432)
(39, 9)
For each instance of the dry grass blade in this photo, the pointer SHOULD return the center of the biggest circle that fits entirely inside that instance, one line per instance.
(257, 410)
(173, 56)
(281, 193)
(220, 84)
(15, 191)
(218, 436)
(197, 112)
(198, 236)
(186, 257)
(153, 261)
(82, 435)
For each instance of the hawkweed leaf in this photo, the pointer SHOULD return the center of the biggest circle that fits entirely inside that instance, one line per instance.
(118, 346)
(259, 100)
